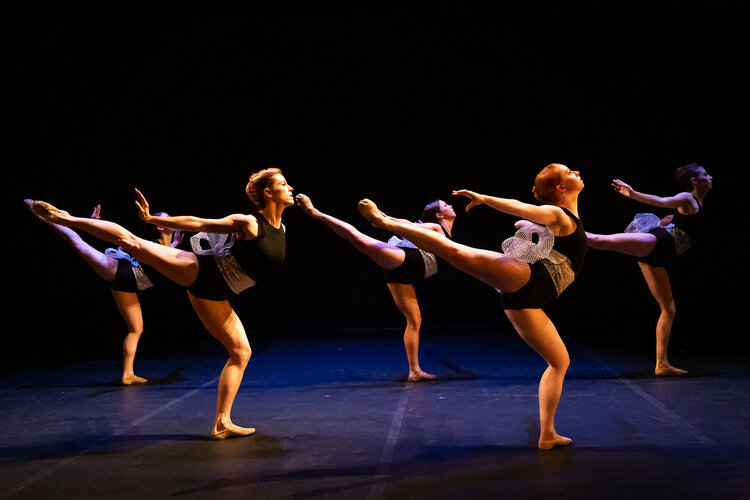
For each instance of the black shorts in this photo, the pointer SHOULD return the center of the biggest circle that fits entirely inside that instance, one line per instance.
(664, 252)
(410, 271)
(124, 278)
(537, 292)
(210, 283)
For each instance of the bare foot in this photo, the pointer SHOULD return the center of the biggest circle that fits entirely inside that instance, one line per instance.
(556, 442)
(370, 211)
(668, 370)
(133, 379)
(420, 376)
(305, 203)
(230, 430)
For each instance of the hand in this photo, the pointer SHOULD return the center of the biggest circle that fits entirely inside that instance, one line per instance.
(475, 198)
(177, 238)
(622, 188)
(97, 211)
(142, 204)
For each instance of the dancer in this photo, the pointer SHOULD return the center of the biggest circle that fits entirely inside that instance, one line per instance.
(659, 243)
(229, 265)
(126, 278)
(527, 275)
(403, 265)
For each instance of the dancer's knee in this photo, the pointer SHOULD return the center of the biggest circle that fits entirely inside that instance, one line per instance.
(414, 321)
(240, 354)
(130, 243)
(560, 363)
(669, 310)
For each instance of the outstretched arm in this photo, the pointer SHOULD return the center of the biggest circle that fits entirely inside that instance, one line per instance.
(245, 225)
(540, 214)
(680, 200)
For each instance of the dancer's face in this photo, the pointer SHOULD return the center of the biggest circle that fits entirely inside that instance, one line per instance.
(447, 210)
(703, 181)
(281, 191)
(571, 179)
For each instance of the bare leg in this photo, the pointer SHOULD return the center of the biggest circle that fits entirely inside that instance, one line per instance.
(536, 329)
(634, 244)
(493, 268)
(384, 255)
(406, 301)
(130, 310)
(222, 322)
(177, 265)
(658, 282)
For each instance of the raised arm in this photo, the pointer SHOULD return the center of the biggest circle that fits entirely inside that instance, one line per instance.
(245, 225)
(539, 214)
(680, 200)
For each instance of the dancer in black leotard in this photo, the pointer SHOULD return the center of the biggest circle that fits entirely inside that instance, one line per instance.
(403, 265)
(528, 275)
(242, 250)
(126, 277)
(659, 243)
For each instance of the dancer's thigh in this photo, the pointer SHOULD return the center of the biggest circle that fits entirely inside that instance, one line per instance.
(222, 322)
(177, 265)
(130, 309)
(538, 331)
(493, 268)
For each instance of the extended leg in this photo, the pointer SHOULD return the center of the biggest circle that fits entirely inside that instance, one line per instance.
(493, 268)
(179, 266)
(406, 300)
(634, 244)
(658, 282)
(536, 329)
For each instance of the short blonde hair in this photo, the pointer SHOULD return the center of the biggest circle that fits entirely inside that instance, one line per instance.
(258, 183)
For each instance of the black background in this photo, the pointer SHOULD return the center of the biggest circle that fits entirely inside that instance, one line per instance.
(399, 105)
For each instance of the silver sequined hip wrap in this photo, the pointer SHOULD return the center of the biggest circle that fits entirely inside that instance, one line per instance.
(643, 223)
(430, 262)
(522, 247)
(141, 280)
(235, 277)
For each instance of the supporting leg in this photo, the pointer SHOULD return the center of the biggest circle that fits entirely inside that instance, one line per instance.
(536, 329)
(660, 287)
(223, 323)
(406, 300)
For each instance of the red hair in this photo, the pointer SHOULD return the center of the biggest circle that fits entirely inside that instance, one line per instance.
(546, 182)
(258, 183)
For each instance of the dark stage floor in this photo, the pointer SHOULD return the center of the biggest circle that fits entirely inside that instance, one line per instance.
(336, 419)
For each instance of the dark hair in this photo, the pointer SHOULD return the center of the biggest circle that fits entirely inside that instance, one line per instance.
(429, 214)
(546, 182)
(684, 176)
(258, 183)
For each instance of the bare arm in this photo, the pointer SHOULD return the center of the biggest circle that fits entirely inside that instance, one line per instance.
(245, 225)
(682, 200)
(539, 214)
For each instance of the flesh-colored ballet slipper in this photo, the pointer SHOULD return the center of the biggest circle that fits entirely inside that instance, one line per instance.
(234, 431)
(669, 371)
(369, 210)
(133, 379)
(557, 442)
(46, 210)
(421, 377)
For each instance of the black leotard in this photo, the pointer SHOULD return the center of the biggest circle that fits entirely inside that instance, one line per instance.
(540, 289)
(665, 252)
(259, 258)
(412, 269)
